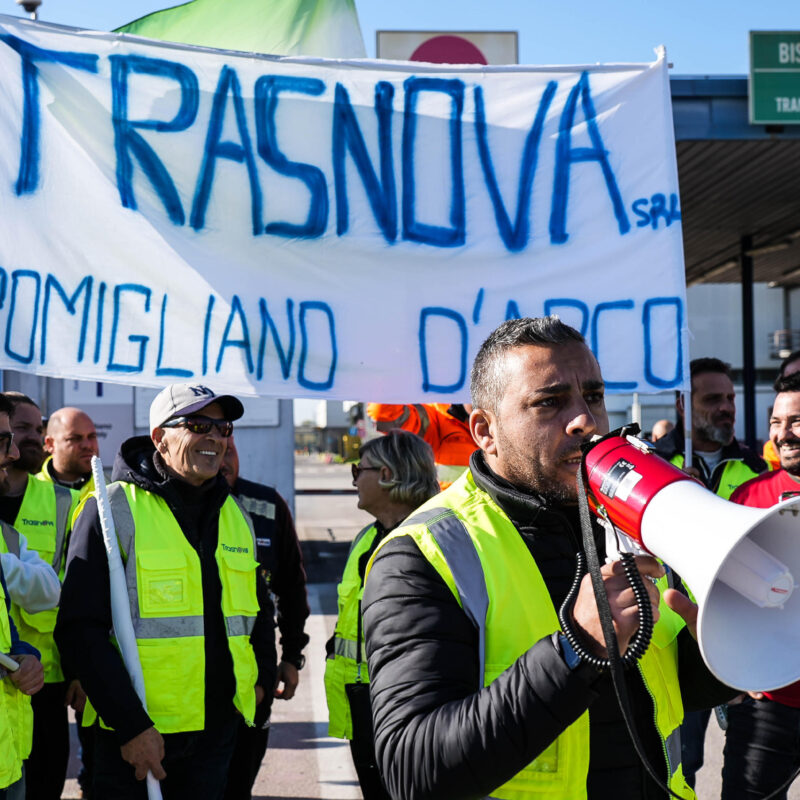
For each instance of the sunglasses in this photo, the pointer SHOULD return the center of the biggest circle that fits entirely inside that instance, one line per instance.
(201, 425)
(5, 442)
(357, 469)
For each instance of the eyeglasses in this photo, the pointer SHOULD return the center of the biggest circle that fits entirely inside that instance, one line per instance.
(357, 469)
(201, 425)
(5, 442)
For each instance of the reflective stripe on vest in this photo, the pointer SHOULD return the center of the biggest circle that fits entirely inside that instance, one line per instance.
(462, 532)
(262, 508)
(674, 755)
(459, 551)
(63, 508)
(346, 648)
(10, 538)
(172, 646)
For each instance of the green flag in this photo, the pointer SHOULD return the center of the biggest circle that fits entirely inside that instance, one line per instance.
(325, 28)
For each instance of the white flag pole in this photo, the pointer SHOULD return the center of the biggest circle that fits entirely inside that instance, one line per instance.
(687, 399)
(120, 606)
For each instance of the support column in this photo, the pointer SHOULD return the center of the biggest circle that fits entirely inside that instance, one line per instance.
(748, 342)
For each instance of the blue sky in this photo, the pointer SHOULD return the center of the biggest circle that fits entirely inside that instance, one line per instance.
(701, 36)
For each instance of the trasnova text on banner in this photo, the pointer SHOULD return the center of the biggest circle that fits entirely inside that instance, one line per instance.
(308, 227)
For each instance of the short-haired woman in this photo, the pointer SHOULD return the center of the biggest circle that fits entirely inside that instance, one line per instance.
(395, 475)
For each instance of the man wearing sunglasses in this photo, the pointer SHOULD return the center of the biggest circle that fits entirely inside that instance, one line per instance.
(201, 618)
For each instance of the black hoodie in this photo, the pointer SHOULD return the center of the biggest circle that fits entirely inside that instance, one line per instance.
(84, 618)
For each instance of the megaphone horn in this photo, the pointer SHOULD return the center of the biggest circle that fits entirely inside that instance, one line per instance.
(740, 563)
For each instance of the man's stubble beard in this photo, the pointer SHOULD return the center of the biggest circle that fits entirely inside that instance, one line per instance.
(716, 434)
(793, 468)
(28, 462)
(529, 475)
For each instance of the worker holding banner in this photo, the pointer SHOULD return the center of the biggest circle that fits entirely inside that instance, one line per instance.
(198, 612)
(475, 690)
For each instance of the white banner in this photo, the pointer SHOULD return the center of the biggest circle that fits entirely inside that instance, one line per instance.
(317, 228)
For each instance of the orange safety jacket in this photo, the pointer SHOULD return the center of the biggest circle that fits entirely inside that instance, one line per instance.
(770, 455)
(449, 437)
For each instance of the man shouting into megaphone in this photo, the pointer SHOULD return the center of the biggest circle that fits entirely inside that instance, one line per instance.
(476, 692)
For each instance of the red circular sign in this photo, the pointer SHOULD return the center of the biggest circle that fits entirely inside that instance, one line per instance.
(448, 49)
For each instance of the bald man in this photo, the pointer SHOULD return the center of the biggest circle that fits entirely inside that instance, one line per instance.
(661, 429)
(71, 441)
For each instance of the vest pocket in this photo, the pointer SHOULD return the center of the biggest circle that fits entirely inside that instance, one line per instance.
(238, 583)
(41, 539)
(174, 694)
(162, 576)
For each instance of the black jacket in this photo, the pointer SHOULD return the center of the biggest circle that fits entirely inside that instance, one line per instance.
(436, 736)
(84, 616)
(280, 562)
(673, 444)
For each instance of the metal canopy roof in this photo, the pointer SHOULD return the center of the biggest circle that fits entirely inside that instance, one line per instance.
(736, 180)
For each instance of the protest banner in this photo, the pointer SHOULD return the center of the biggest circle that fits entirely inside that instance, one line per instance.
(296, 227)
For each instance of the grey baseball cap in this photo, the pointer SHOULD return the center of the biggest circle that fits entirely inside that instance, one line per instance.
(182, 399)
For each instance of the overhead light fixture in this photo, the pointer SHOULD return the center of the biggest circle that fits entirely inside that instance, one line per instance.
(792, 273)
(768, 248)
(716, 271)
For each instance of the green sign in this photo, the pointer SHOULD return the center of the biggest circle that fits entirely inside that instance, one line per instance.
(774, 92)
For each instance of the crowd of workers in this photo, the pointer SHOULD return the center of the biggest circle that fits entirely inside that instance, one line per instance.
(448, 669)
(209, 558)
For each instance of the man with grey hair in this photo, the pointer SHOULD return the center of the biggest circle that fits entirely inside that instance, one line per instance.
(476, 691)
(202, 620)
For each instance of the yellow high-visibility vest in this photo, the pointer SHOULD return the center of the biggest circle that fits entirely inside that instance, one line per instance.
(16, 716)
(471, 543)
(165, 592)
(45, 519)
(342, 667)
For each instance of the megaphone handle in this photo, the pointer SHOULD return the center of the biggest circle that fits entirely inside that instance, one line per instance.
(615, 662)
(637, 647)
